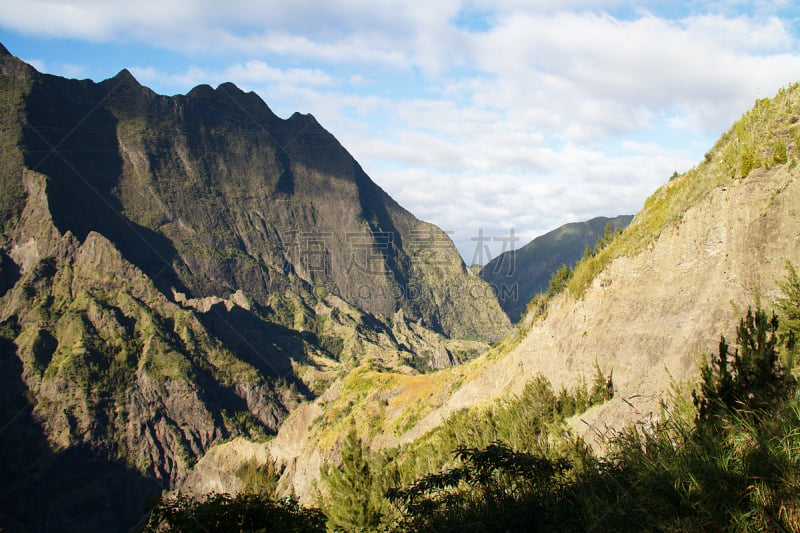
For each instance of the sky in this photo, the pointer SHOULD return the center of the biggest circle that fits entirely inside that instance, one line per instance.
(496, 120)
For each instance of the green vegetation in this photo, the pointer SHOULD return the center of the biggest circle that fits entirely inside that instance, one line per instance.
(222, 513)
(592, 263)
(789, 307)
(736, 470)
(533, 422)
(245, 423)
(559, 280)
(582, 398)
(353, 502)
(725, 458)
(483, 494)
(751, 379)
(258, 478)
(765, 136)
(119, 348)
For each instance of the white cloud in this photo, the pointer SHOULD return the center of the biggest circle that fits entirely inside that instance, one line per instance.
(551, 112)
(59, 19)
(71, 70)
(259, 72)
(250, 74)
(38, 64)
(741, 33)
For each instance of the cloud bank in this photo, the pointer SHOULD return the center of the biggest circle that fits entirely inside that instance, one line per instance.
(472, 114)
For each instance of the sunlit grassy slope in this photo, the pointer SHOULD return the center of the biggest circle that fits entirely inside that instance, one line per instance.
(766, 135)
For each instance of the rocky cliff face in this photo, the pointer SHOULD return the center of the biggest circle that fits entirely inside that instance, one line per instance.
(211, 192)
(704, 248)
(176, 271)
(108, 365)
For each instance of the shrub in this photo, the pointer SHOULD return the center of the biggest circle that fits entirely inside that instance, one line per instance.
(221, 513)
(558, 281)
(494, 489)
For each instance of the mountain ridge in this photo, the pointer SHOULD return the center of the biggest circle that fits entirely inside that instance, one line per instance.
(289, 142)
(202, 306)
(519, 275)
(179, 271)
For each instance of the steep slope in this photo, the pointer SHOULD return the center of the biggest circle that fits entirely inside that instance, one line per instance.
(177, 271)
(651, 305)
(217, 194)
(646, 308)
(110, 372)
(519, 275)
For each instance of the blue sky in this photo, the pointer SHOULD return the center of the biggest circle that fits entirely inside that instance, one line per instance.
(475, 114)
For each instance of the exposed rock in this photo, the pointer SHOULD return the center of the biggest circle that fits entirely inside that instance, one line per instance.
(210, 193)
(442, 358)
(653, 317)
(216, 471)
(186, 269)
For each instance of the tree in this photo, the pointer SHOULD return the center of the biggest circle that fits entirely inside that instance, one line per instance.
(749, 380)
(789, 307)
(351, 500)
(494, 489)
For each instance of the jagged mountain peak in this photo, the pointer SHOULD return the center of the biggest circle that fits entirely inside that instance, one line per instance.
(213, 170)
(202, 90)
(304, 118)
(125, 76)
(195, 266)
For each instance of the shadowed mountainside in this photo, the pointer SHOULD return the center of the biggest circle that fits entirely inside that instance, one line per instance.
(518, 275)
(217, 193)
(177, 271)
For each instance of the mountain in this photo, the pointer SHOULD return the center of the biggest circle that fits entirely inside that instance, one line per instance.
(518, 275)
(190, 284)
(178, 271)
(645, 310)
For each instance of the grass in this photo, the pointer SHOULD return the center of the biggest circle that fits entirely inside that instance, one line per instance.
(764, 137)
(739, 472)
(375, 401)
(744, 478)
(532, 421)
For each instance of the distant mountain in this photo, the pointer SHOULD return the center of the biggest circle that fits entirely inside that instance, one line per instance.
(519, 275)
(176, 271)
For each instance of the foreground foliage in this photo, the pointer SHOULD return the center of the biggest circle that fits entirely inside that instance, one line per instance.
(734, 465)
(751, 379)
(223, 513)
(496, 488)
(531, 423)
(724, 458)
